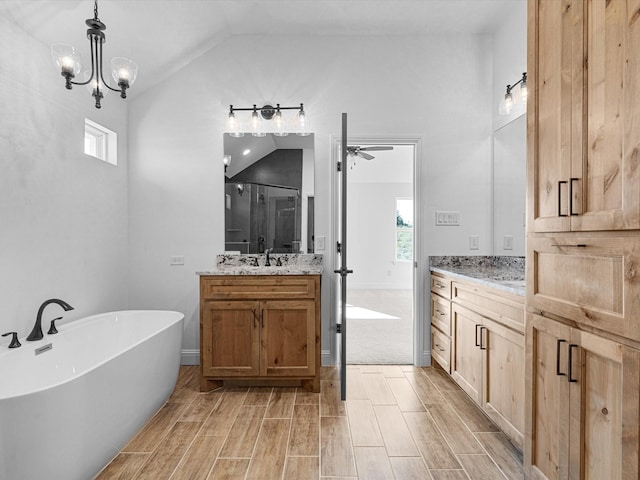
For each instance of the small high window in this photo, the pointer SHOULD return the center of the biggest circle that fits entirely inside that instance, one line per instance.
(100, 142)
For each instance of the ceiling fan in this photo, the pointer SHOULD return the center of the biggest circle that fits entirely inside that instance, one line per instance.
(358, 151)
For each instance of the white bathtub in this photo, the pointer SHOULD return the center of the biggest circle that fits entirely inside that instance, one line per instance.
(65, 413)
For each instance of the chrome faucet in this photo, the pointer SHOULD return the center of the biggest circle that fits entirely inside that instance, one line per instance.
(36, 333)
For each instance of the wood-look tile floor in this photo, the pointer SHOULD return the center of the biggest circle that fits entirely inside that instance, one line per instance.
(399, 422)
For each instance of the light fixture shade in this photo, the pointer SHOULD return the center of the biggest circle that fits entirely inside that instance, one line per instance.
(256, 124)
(508, 102)
(66, 58)
(124, 70)
(91, 86)
(279, 125)
(303, 123)
(233, 126)
(226, 160)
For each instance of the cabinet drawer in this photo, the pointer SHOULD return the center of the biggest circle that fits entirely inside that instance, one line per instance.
(248, 287)
(441, 314)
(441, 286)
(593, 280)
(441, 349)
(503, 307)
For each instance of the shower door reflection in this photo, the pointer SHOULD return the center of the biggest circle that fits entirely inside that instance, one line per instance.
(261, 217)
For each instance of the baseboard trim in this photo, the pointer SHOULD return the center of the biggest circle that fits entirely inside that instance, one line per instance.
(327, 358)
(190, 357)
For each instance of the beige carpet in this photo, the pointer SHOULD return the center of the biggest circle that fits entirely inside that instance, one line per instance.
(380, 327)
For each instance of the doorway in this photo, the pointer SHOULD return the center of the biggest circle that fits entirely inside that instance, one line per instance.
(380, 293)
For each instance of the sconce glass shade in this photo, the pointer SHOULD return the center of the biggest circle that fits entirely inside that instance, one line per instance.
(226, 160)
(508, 102)
(233, 126)
(124, 71)
(303, 123)
(95, 82)
(66, 58)
(523, 91)
(279, 125)
(256, 124)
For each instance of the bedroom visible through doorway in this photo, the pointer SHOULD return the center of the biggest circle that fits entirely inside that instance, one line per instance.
(380, 230)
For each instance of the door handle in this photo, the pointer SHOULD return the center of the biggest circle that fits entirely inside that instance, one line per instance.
(571, 347)
(482, 346)
(558, 372)
(560, 183)
(262, 317)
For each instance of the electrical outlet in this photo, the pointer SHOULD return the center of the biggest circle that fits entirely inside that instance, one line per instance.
(176, 260)
(321, 243)
(507, 242)
(474, 242)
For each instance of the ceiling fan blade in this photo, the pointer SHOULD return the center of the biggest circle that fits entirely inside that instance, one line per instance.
(374, 149)
(366, 156)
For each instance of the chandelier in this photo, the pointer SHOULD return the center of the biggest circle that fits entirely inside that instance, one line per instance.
(67, 59)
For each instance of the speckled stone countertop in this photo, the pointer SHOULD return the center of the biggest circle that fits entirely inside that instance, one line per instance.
(254, 264)
(504, 273)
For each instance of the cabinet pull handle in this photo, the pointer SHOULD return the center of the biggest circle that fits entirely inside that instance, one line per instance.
(560, 198)
(571, 347)
(482, 346)
(571, 180)
(558, 372)
(262, 317)
(579, 245)
(477, 342)
(439, 285)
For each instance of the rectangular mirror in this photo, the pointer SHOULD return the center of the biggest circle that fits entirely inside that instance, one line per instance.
(269, 193)
(509, 185)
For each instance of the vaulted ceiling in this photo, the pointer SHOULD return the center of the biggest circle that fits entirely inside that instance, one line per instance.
(164, 35)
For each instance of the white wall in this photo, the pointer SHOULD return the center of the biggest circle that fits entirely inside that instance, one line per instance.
(437, 87)
(62, 214)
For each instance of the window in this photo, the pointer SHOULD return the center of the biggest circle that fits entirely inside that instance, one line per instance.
(100, 142)
(404, 229)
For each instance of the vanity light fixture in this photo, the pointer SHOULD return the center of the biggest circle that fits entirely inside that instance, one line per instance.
(268, 112)
(67, 59)
(506, 105)
(227, 161)
(240, 188)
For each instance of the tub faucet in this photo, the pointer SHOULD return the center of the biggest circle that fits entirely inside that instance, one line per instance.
(36, 333)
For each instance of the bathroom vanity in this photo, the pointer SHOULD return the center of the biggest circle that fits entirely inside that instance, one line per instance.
(477, 332)
(260, 325)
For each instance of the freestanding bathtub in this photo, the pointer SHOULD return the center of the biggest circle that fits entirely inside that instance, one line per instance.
(66, 412)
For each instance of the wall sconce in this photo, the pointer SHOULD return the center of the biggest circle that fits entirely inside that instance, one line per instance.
(513, 96)
(268, 112)
(240, 188)
(227, 161)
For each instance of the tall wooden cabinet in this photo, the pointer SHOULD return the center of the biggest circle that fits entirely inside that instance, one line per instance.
(262, 329)
(583, 240)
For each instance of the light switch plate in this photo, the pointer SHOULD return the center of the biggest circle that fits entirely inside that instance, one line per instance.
(321, 243)
(447, 218)
(507, 242)
(176, 260)
(474, 242)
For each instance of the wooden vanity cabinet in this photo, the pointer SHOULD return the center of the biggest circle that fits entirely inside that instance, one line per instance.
(441, 321)
(263, 329)
(584, 411)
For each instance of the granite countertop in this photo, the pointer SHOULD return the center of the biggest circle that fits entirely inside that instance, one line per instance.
(503, 273)
(254, 264)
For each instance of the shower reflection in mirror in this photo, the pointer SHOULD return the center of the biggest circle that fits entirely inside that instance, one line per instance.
(269, 194)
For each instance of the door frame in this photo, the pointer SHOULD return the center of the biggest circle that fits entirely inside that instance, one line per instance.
(421, 344)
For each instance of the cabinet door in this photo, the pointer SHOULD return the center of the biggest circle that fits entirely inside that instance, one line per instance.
(466, 368)
(547, 406)
(504, 379)
(288, 338)
(606, 183)
(605, 402)
(554, 116)
(230, 339)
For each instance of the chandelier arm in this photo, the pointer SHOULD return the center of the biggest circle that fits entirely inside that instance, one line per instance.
(101, 73)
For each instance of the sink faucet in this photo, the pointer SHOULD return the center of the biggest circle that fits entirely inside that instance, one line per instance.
(267, 263)
(36, 333)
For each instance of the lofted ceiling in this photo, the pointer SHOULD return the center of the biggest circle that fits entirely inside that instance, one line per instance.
(162, 36)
